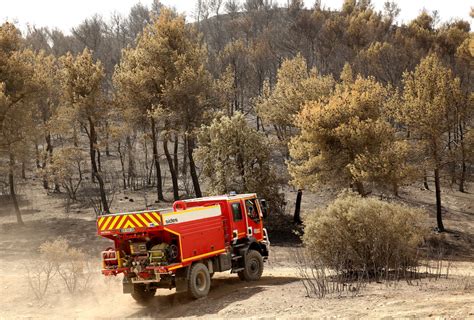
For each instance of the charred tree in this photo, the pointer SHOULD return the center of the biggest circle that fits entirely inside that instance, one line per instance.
(156, 161)
(297, 216)
(11, 182)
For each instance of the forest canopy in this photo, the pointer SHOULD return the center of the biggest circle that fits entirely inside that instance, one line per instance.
(274, 95)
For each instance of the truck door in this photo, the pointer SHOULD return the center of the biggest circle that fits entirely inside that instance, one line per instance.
(238, 225)
(254, 219)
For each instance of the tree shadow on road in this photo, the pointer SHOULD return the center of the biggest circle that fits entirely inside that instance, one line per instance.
(224, 292)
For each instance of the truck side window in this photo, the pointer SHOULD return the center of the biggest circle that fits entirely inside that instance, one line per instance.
(236, 211)
(251, 209)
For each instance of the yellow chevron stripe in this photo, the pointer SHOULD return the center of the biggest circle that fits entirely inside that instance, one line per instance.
(113, 223)
(99, 223)
(103, 223)
(122, 220)
(117, 223)
(106, 223)
(143, 220)
(109, 223)
(134, 219)
(152, 218)
(157, 216)
(129, 220)
(129, 224)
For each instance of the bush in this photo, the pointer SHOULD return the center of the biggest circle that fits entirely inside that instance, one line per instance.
(39, 278)
(69, 263)
(355, 233)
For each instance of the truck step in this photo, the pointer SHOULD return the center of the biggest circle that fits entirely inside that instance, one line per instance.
(236, 270)
(236, 257)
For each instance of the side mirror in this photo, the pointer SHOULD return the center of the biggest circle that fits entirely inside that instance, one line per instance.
(264, 207)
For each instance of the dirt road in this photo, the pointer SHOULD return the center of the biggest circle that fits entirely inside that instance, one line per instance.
(279, 294)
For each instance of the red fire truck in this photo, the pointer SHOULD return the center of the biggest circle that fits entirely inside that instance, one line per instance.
(183, 246)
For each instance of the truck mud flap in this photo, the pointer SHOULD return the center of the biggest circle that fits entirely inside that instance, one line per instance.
(181, 285)
(181, 279)
(225, 262)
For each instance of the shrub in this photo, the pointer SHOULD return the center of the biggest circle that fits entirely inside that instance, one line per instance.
(39, 278)
(69, 263)
(355, 233)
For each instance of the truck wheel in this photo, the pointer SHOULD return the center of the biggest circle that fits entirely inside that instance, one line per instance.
(253, 268)
(199, 281)
(141, 294)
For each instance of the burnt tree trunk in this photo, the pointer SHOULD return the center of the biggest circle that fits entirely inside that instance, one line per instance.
(452, 164)
(297, 216)
(95, 170)
(156, 160)
(174, 178)
(439, 217)
(37, 154)
(49, 150)
(11, 182)
(462, 178)
(107, 149)
(91, 146)
(122, 165)
(175, 154)
(131, 164)
(147, 169)
(184, 166)
(99, 162)
(425, 181)
(359, 187)
(192, 167)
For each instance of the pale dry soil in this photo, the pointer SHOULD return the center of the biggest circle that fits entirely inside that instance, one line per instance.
(279, 294)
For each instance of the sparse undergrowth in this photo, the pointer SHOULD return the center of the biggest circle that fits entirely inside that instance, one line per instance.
(59, 262)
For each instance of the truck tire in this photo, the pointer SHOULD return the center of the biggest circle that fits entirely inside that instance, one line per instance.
(253, 268)
(141, 294)
(199, 281)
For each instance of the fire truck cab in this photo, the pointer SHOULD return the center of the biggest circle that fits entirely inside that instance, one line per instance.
(182, 247)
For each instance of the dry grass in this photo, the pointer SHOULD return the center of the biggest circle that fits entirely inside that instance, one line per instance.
(39, 278)
(60, 261)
